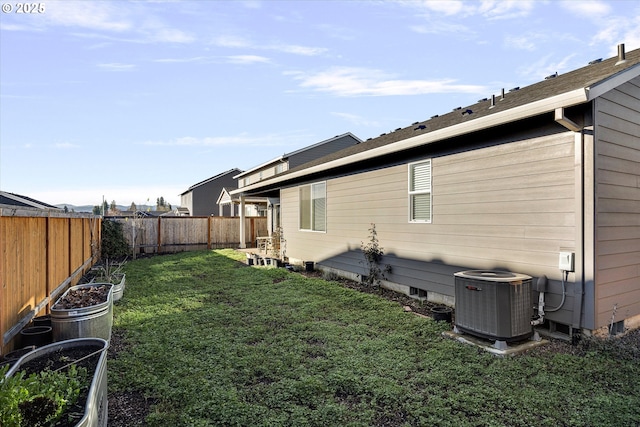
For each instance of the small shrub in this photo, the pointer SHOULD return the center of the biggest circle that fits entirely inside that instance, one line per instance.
(373, 254)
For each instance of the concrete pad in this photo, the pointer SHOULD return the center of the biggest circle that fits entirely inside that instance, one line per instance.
(497, 347)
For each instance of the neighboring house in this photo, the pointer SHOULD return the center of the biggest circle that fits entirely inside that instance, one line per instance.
(256, 206)
(508, 183)
(201, 199)
(11, 200)
(282, 164)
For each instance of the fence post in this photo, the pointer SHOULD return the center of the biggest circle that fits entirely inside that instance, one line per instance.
(47, 263)
(159, 235)
(209, 232)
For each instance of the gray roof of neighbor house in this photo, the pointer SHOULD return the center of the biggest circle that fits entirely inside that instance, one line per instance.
(556, 91)
(233, 171)
(12, 199)
(299, 151)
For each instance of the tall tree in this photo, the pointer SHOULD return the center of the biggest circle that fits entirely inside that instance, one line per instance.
(133, 207)
(161, 204)
(113, 208)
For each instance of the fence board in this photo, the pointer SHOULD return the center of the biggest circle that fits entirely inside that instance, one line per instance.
(42, 254)
(180, 234)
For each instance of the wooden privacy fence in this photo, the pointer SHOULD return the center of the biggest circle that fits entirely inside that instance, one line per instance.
(185, 233)
(43, 253)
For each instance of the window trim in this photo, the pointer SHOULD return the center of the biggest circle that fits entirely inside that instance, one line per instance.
(311, 230)
(411, 193)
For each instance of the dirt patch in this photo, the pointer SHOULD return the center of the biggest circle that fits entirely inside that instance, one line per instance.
(409, 304)
(129, 409)
(126, 408)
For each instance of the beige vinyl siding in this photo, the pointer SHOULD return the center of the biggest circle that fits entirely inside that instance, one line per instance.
(617, 194)
(265, 173)
(508, 206)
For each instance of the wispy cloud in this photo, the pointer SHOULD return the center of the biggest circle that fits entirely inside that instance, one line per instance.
(183, 60)
(233, 59)
(436, 26)
(115, 66)
(592, 9)
(247, 59)
(274, 139)
(489, 9)
(356, 120)
(93, 15)
(504, 9)
(65, 146)
(240, 42)
(546, 66)
(117, 21)
(345, 81)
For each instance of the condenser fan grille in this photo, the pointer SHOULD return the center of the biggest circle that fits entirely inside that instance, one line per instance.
(494, 304)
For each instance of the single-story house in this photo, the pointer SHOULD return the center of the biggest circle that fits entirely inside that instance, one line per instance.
(542, 180)
(201, 199)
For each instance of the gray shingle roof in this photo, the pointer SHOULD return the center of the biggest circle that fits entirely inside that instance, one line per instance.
(580, 78)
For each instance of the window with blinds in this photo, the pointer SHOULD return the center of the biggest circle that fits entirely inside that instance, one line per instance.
(420, 191)
(313, 207)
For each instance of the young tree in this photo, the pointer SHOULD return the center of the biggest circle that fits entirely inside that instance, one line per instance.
(133, 207)
(66, 209)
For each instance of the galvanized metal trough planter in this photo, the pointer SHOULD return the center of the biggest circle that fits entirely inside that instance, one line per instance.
(88, 352)
(118, 288)
(92, 321)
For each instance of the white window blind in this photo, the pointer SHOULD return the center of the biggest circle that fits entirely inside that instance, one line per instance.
(313, 207)
(420, 191)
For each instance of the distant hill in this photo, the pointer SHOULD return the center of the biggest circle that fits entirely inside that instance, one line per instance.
(89, 208)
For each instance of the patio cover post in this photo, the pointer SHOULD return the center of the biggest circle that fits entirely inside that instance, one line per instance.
(242, 237)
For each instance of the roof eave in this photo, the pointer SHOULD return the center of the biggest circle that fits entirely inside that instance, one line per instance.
(535, 108)
(608, 84)
(256, 168)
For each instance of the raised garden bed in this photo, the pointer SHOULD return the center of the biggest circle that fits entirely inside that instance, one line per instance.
(80, 355)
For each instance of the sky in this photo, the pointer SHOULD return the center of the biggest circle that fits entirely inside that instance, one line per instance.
(136, 100)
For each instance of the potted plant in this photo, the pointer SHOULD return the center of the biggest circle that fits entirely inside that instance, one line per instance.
(61, 384)
(83, 311)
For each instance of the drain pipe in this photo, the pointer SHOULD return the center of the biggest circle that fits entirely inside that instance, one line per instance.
(541, 287)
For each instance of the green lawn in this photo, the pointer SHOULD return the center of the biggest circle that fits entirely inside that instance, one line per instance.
(219, 343)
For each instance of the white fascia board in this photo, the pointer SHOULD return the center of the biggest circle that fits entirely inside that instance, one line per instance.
(222, 196)
(256, 168)
(546, 105)
(613, 82)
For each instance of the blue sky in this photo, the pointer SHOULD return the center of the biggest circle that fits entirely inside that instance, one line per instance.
(137, 100)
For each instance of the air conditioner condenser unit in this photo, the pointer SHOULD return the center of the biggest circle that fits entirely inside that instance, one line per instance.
(494, 305)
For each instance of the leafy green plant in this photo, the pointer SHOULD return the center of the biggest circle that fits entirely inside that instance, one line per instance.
(38, 399)
(373, 254)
